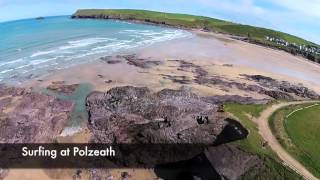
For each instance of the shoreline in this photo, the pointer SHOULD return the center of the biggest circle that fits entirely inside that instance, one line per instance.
(212, 49)
(134, 18)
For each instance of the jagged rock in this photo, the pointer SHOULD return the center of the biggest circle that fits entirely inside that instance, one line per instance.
(278, 95)
(131, 59)
(234, 99)
(133, 115)
(219, 162)
(111, 59)
(139, 62)
(275, 89)
(231, 162)
(28, 117)
(283, 86)
(112, 111)
(177, 79)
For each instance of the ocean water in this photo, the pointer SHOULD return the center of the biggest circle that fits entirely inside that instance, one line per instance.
(29, 48)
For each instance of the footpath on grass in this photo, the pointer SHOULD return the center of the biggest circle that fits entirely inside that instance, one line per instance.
(267, 135)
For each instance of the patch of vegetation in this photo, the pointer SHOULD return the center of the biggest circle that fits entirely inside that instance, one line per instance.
(299, 134)
(272, 168)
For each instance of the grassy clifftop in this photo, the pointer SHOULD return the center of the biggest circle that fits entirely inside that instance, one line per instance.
(189, 21)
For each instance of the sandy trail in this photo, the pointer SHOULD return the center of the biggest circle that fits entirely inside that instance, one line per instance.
(267, 135)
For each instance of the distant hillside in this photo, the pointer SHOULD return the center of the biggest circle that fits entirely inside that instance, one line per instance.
(262, 36)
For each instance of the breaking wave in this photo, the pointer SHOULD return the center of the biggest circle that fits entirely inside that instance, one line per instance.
(75, 49)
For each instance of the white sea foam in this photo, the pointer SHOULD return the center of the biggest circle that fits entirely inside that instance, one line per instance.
(5, 71)
(84, 42)
(40, 53)
(12, 62)
(40, 61)
(23, 66)
(121, 43)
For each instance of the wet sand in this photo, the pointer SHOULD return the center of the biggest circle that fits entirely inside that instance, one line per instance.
(219, 54)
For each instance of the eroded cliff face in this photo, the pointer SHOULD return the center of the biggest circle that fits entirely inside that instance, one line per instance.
(173, 119)
(29, 117)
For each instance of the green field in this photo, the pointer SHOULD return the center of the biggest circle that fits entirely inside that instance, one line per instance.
(299, 134)
(191, 21)
(272, 169)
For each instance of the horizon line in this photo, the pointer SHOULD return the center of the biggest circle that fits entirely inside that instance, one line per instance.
(50, 16)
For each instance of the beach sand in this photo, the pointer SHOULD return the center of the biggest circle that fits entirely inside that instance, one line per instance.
(218, 54)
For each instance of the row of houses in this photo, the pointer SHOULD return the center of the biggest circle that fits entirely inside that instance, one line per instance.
(302, 48)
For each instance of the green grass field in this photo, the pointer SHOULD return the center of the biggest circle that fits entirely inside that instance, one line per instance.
(299, 134)
(191, 21)
(272, 169)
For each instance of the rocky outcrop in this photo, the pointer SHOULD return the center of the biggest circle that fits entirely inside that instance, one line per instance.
(170, 126)
(111, 59)
(280, 90)
(234, 99)
(140, 62)
(221, 162)
(231, 162)
(283, 86)
(135, 115)
(28, 117)
(131, 59)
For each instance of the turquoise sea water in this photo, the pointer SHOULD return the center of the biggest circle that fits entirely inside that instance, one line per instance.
(30, 47)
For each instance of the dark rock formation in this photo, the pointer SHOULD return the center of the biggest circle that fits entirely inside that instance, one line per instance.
(234, 99)
(188, 66)
(139, 62)
(135, 115)
(221, 162)
(277, 94)
(280, 90)
(196, 168)
(283, 86)
(231, 162)
(61, 87)
(170, 127)
(177, 79)
(131, 59)
(28, 117)
(111, 59)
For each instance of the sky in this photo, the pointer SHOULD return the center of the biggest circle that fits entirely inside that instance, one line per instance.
(297, 17)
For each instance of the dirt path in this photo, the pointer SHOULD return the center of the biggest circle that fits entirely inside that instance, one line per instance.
(266, 133)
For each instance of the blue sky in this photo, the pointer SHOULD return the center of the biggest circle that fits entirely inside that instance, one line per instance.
(298, 17)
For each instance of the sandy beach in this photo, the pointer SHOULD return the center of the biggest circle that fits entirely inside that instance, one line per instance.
(220, 55)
